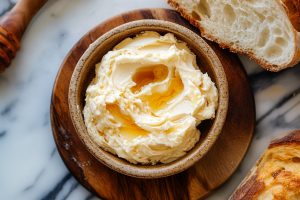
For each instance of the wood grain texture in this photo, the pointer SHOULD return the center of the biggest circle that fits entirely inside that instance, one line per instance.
(12, 27)
(195, 183)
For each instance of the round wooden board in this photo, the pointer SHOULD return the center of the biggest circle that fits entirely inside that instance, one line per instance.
(195, 183)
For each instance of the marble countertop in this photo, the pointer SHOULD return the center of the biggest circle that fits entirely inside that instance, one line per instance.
(30, 166)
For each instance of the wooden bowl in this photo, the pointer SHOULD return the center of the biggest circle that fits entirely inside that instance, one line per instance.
(85, 71)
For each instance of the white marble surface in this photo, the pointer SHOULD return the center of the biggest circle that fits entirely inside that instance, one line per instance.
(30, 166)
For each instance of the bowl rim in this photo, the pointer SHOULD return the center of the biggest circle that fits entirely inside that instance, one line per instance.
(151, 171)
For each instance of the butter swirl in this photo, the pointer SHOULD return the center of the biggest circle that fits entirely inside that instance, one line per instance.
(147, 99)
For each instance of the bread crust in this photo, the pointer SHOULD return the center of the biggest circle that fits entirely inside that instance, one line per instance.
(286, 4)
(251, 187)
(292, 138)
(292, 8)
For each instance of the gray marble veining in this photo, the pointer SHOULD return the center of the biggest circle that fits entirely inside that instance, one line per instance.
(6, 5)
(30, 167)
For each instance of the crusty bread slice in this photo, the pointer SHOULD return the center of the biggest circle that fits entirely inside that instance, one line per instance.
(261, 29)
(277, 173)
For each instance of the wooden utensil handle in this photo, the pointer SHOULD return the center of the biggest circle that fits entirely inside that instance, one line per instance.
(12, 27)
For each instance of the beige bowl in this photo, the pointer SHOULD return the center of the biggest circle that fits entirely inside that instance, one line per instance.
(85, 71)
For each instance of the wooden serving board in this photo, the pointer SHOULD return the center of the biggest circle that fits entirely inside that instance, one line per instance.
(195, 183)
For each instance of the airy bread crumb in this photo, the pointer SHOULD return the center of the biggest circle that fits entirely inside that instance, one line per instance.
(261, 29)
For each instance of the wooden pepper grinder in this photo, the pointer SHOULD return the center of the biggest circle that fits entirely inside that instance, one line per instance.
(12, 27)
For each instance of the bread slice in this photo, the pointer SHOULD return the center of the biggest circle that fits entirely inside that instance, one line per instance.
(277, 173)
(265, 30)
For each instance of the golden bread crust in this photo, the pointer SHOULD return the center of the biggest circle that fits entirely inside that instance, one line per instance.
(292, 8)
(249, 188)
(276, 175)
(292, 138)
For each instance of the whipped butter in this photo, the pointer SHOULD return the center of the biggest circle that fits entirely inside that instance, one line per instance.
(147, 99)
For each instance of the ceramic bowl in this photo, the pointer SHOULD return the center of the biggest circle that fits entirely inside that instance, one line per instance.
(85, 71)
